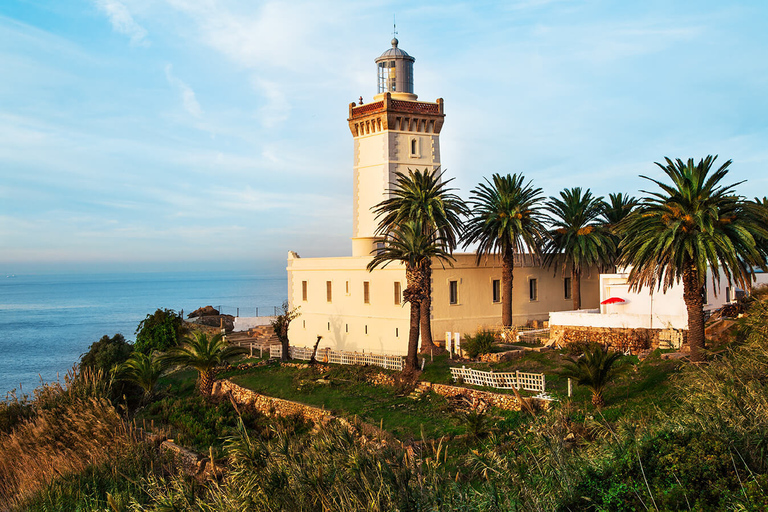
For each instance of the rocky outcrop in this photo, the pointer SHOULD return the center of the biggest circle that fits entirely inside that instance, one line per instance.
(204, 311)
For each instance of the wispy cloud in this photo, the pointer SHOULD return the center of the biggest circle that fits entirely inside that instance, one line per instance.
(276, 106)
(188, 99)
(122, 21)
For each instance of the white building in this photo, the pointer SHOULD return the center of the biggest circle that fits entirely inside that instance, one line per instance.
(356, 310)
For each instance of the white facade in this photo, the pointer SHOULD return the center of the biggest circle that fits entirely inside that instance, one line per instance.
(646, 309)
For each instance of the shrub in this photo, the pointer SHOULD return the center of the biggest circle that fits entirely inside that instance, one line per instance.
(106, 353)
(159, 331)
(480, 343)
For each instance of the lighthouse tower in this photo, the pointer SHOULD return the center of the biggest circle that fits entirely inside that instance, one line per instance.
(392, 133)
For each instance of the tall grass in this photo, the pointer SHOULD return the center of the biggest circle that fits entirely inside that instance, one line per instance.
(73, 426)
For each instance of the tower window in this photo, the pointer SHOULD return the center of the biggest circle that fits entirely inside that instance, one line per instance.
(414, 147)
(533, 289)
(304, 291)
(346, 327)
(366, 292)
(567, 287)
(397, 332)
(347, 287)
(398, 293)
(329, 290)
(496, 291)
(366, 329)
(453, 292)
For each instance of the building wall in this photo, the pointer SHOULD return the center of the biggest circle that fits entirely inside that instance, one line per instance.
(377, 157)
(642, 309)
(347, 322)
(475, 307)
(381, 326)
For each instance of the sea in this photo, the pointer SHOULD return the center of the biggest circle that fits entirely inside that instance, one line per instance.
(48, 321)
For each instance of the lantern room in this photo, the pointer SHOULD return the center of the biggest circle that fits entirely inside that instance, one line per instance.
(395, 69)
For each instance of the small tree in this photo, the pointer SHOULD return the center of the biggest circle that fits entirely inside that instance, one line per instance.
(143, 370)
(204, 354)
(106, 353)
(595, 370)
(280, 325)
(159, 331)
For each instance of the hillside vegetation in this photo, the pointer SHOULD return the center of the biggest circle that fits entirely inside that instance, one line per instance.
(674, 436)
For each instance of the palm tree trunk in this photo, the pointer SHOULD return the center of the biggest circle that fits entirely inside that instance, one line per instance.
(597, 399)
(206, 381)
(427, 344)
(694, 302)
(507, 270)
(576, 287)
(411, 360)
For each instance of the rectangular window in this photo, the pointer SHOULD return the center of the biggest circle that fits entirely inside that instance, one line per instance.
(366, 329)
(533, 289)
(453, 292)
(567, 287)
(398, 293)
(304, 291)
(329, 290)
(347, 288)
(496, 290)
(397, 332)
(366, 292)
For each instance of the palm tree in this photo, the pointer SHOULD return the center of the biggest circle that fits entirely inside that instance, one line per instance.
(692, 225)
(595, 370)
(615, 210)
(204, 354)
(505, 219)
(578, 239)
(412, 245)
(425, 197)
(143, 370)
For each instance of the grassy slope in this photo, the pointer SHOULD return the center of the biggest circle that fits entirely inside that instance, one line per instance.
(348, 396)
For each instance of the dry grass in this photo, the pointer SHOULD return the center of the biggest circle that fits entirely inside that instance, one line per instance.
(74, 425)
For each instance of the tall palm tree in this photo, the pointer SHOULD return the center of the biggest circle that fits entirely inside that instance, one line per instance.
(143, 370)
(578, 239)
(692, 225)
(412, 245)
(204, 354)
(596, 369)
(616, 209)
(425, 197)
(505, 219)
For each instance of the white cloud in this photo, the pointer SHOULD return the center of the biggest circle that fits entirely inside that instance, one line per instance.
(188, 99)
(122, 21)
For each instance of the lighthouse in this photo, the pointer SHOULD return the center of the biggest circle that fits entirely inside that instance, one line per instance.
(392, 133)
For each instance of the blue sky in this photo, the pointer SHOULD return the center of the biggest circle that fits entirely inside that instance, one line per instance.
(181, 134)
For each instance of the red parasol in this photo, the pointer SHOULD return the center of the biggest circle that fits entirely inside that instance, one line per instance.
(613, 300)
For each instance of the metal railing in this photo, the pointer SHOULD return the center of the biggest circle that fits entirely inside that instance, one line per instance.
(506, 380)
(326, 355)
(249, 310)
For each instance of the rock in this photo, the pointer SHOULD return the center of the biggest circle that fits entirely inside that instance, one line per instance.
(204, 311)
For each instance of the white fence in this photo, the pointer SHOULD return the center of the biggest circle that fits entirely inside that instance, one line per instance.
(508, 380)
(326, 355)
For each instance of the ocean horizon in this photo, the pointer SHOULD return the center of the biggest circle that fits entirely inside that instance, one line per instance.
(48, 320)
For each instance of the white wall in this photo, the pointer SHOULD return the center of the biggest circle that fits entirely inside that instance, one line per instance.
(243, 323)
(646, 308)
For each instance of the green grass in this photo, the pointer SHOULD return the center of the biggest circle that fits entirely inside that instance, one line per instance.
(348, 395)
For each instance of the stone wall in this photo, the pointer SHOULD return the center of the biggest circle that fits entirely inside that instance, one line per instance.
(269, 405)
(506, 402)
(622, 339)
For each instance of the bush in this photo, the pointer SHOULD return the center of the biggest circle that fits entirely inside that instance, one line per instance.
(159, 331)
(480, 343)
(106, 353)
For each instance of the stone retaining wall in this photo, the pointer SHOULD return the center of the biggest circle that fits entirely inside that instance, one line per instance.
(506, 402)
(622, 339)
(269, 405)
